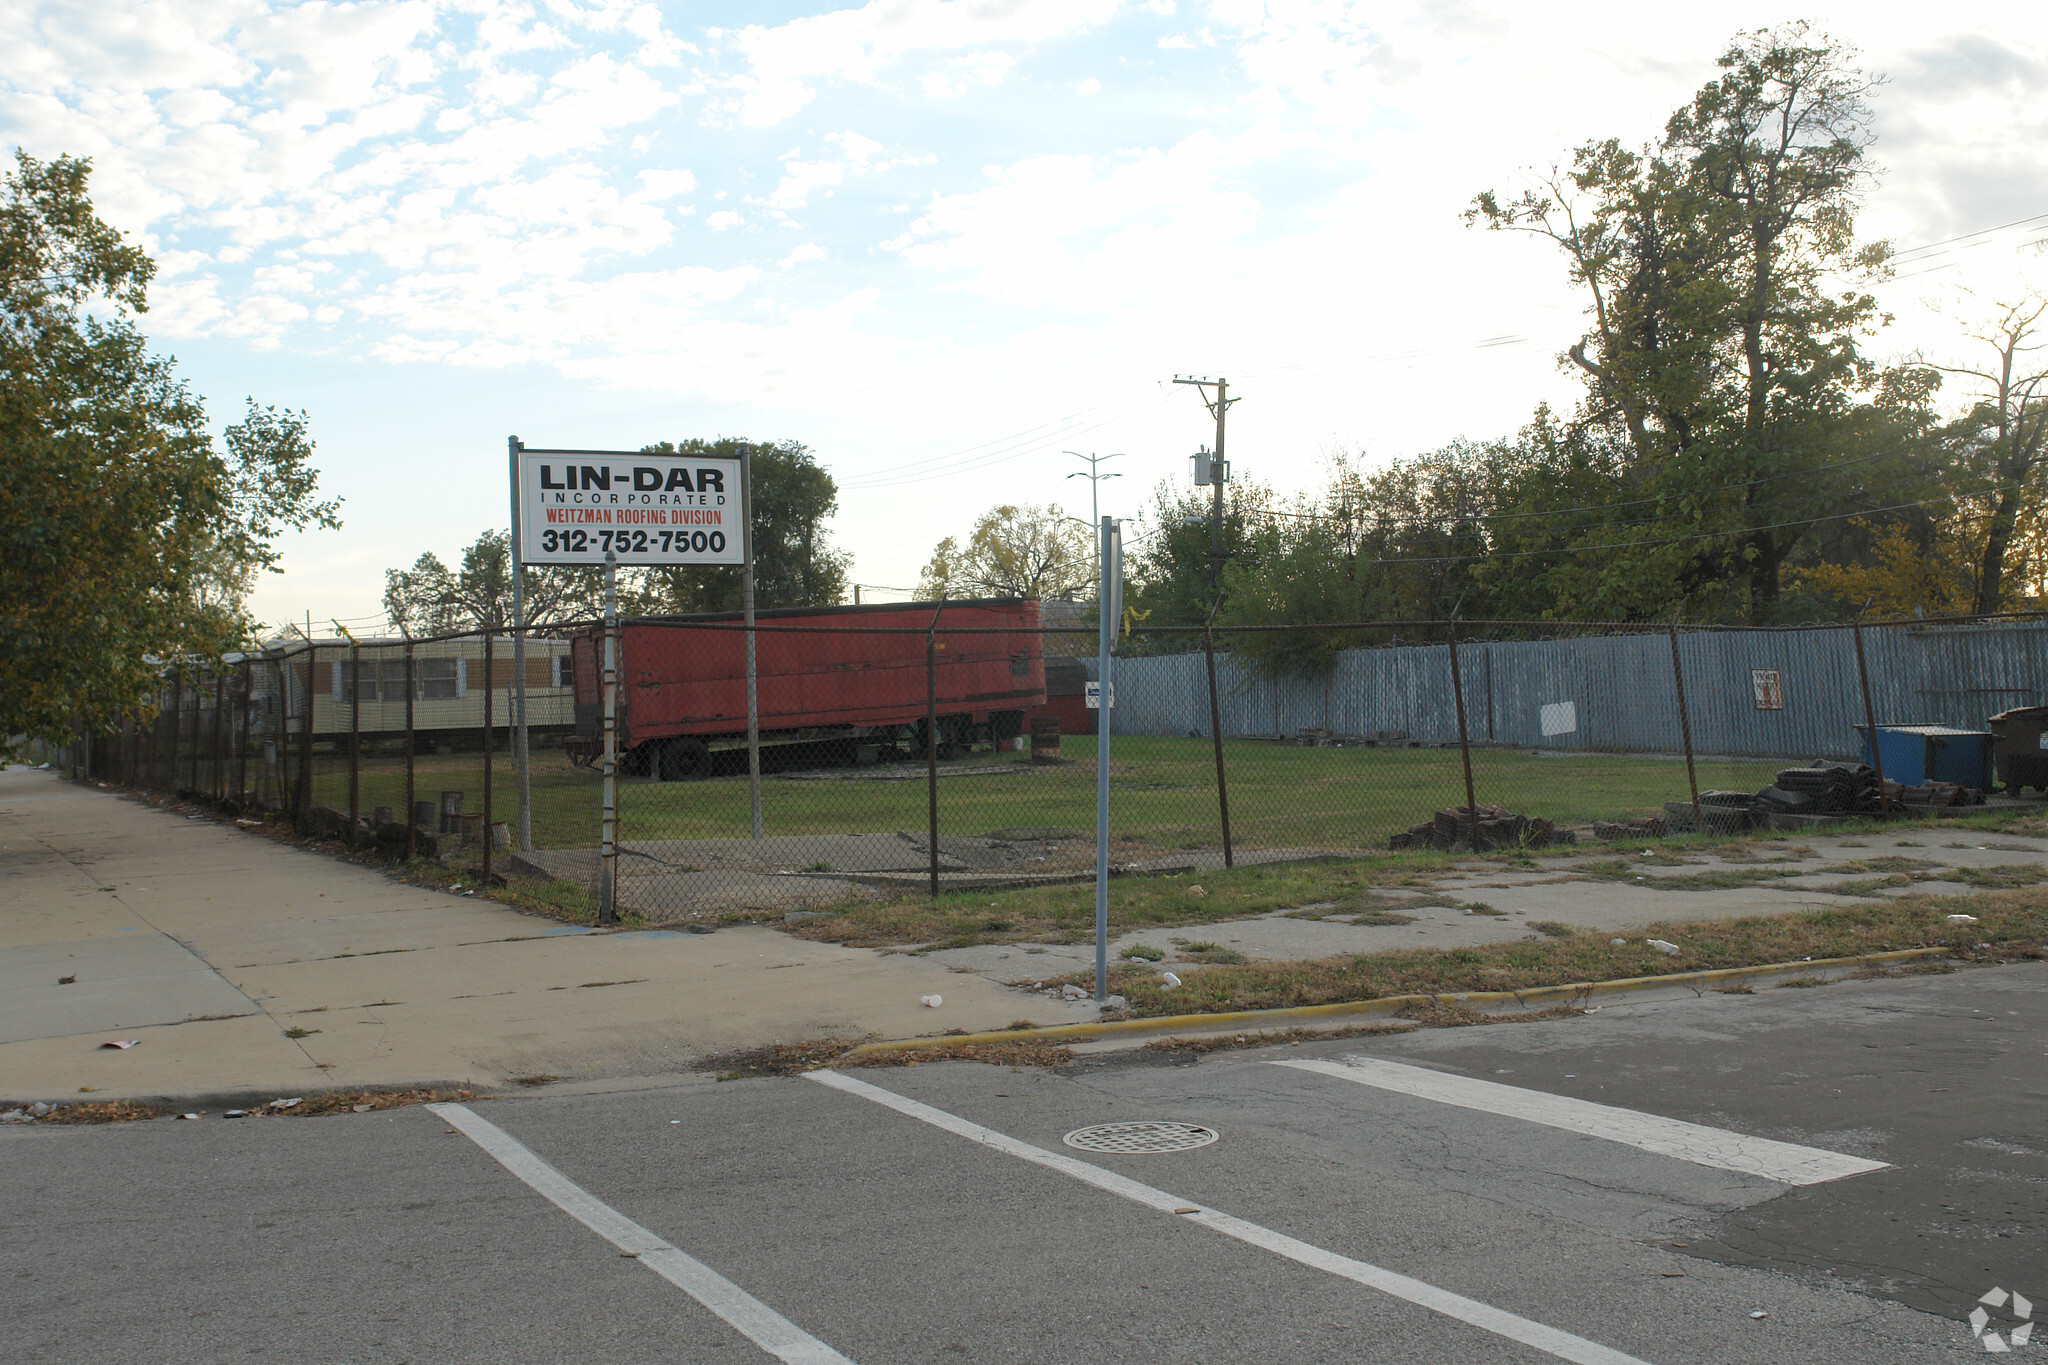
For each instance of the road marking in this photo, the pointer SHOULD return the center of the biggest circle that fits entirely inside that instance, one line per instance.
(1785, 1162)
(759, 1323)
(1558, 1343)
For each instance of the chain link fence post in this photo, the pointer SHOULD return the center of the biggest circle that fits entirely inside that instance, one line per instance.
(1685, 727)
(1216, 736)
(412, 815)
(1870, 722)
(1464, 739)
(931, 747)
(490, 830)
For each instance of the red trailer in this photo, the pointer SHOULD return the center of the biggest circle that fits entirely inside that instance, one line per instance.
(847, 688)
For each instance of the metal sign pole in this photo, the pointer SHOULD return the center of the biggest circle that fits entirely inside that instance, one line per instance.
(608, 849)
(519, 764)
(747, 603)
(1112, 567)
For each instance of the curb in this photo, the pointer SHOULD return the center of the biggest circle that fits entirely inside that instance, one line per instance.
(1388, 1004)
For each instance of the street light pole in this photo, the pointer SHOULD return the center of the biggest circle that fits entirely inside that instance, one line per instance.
(1095, 476)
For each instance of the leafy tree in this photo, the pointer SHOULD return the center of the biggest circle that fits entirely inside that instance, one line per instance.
(131, 539)
(2006, 440)
(1720, 346)
(1013, 552)
(429, 599)
(794, 562)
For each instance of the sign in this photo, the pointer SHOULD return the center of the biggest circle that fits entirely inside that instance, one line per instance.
(577, 506)
(1769, 688)
(1093, 693)
(1559, 718)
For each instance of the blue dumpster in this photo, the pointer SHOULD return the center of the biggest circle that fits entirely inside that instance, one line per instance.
(1918, 754)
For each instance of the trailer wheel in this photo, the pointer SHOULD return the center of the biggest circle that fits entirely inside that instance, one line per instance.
(684, 760)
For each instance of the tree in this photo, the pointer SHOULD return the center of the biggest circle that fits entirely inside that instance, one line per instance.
(2006, 434)
(429, 599)
(1720, 344)
(130, 539)
(1013, 552)
(794, 563)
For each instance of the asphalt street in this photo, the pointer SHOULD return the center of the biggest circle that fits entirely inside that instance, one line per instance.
(1616, 1187)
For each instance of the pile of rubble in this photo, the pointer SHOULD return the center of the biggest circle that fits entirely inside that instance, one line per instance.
(1451, 828)
(1818, 789)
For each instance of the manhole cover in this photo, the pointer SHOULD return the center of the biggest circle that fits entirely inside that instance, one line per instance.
(1141, 1137)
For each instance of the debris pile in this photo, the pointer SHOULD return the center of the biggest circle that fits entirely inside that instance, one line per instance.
(1935, 794)
(1642, 827)
(1451, 828)
(1821, 789)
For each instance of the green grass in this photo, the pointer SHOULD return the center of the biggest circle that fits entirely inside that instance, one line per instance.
(2013, 925)
(1162, 793)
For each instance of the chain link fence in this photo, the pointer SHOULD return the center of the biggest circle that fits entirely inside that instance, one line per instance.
(907, 751)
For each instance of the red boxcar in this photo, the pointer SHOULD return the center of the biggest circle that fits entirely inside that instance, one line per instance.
(683, 691)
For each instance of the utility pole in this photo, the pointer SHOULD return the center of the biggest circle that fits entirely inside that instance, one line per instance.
(1214, 465)
(1095, 476)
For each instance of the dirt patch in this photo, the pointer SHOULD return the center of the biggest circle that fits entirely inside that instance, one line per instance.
(791, 1059)
(101, 1111)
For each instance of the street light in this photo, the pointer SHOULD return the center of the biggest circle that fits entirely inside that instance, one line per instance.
(1093, 473)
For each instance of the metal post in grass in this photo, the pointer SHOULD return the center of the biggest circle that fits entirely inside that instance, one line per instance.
(490, 830)
(355, 737)
(1685, 727)
(1870, 718)
(178, 720)
(242, 751)
(1108, 606)
(1216, 733)
(1464, 740)
(608, 834)
(303, 799)
(931, 746)
(412, 823)
(220, 690)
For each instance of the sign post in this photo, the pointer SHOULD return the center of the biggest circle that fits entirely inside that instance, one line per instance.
(1109, 605)
(639, 509)
(519, 763)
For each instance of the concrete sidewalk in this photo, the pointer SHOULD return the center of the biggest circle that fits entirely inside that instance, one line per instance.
(213, 946)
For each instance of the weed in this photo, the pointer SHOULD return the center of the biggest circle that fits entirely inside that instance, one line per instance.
(1551, 928)
(541, 1078)
(1734, 988)
(296, 1032)
(1382, 918)
(1482, 908)
(819, 866)
(1805, 982)
(1144, 951)
(1210, 953)
(1225, 1042)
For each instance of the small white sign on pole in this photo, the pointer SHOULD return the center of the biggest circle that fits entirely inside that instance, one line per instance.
(577, 506)
(1093, 694)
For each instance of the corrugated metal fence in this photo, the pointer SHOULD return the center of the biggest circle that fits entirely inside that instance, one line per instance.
(1616, 692)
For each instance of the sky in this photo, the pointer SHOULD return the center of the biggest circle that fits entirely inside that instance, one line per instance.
(940, 242)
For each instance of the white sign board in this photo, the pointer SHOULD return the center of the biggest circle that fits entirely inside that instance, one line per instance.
(1093, 693)
(1559, 718)
(576, 506)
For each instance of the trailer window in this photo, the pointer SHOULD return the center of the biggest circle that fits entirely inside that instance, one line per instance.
(438, 679)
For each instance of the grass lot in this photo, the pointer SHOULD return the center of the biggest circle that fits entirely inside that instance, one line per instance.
(1162, 792)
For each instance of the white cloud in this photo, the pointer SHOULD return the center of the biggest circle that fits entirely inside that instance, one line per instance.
(723, 219)
(665, 184)
(809, 251)
(786, 63)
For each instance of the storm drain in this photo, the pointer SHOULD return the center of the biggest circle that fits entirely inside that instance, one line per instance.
(1145, 1136)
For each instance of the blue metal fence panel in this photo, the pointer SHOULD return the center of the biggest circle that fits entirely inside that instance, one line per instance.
(1619, 689)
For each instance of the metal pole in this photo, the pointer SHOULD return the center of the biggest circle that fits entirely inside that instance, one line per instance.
(519, 755)
(242, 753)
(747, 607)
(1464, 740)
(304, 796)
(608, 837)
(411, 819)
(490, 830)
(1685, 727)
(1870, 720)
(1216, 734)
(220, 688)
(355, 738)
(931, 747)
(1105, 639)
(178, 721)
